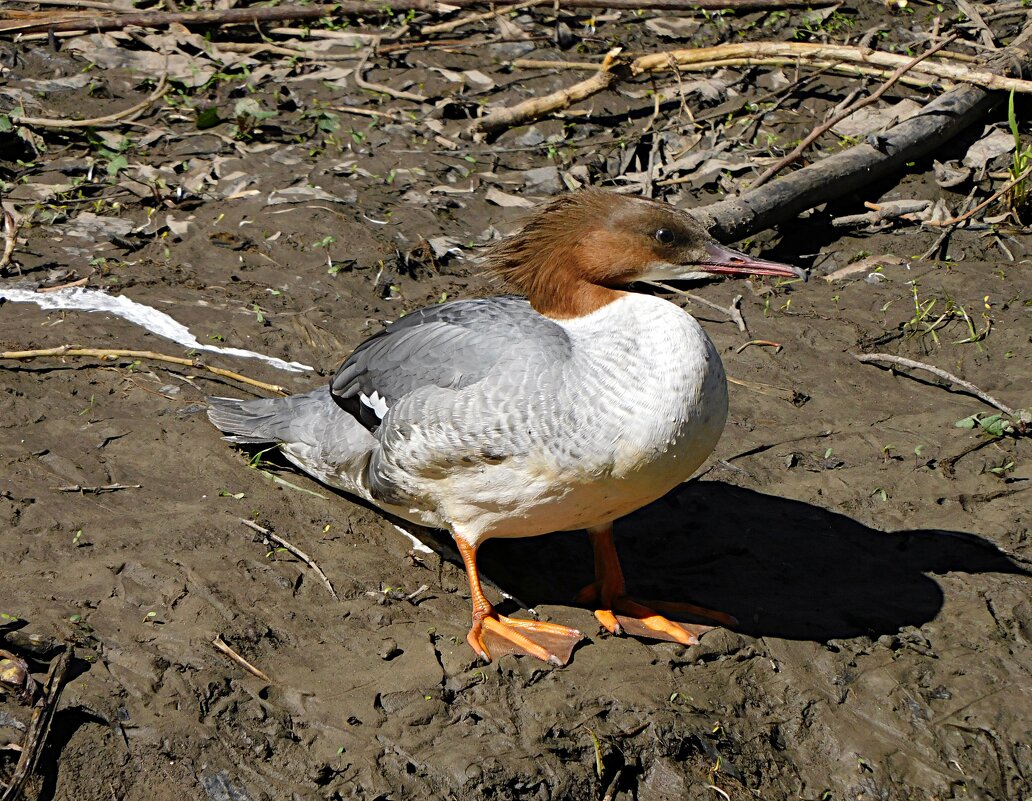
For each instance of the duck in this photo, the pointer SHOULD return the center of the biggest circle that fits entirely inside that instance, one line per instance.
(564, 406)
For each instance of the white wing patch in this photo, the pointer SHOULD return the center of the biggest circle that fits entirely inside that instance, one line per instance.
(375, 402)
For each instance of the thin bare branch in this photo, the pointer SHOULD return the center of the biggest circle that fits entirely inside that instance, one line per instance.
(108, 353)
(820, 130)
(886, 358)
(989, 200)
(294, 550)
(98, 122)
(222, 646)
(380, 88)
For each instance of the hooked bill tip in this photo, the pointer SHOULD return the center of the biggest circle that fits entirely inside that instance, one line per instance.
(731, 262)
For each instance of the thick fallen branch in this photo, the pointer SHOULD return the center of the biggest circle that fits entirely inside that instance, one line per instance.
(537, 107)
(106, 353)
(39, 22)
(859, 166)
(39, 727)
(915, 78)
(675, 59)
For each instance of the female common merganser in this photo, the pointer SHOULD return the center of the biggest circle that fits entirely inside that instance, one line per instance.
(517, 416)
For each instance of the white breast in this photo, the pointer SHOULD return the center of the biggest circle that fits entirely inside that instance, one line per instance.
(638, 407)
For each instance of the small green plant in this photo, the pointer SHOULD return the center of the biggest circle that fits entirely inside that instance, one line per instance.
(1003, 468)
(995, 425)
(1022, 164)
(89, 406)
(597, 744)
(927, 320)
(249, 116)
(257, 460)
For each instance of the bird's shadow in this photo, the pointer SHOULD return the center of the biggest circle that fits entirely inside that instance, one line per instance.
(782, 567)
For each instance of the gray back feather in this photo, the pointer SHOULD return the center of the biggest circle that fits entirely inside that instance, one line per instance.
(451, 346)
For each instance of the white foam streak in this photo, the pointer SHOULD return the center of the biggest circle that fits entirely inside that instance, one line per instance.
(94, 300)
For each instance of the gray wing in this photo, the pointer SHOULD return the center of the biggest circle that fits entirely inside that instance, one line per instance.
(450, 346)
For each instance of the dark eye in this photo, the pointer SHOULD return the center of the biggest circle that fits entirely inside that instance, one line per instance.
(665, 236)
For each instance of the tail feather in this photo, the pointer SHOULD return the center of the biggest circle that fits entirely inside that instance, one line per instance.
(242, 422)
(314, 432)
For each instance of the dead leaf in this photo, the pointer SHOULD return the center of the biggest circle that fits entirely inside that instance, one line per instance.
(506, 201)
(871, 119)
(674, 27)
(950, 173)
(994, 143)
(302, 193)
(88, 225)
(865, 265)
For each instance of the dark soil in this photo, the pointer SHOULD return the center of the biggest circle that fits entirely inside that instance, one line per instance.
(878, 562)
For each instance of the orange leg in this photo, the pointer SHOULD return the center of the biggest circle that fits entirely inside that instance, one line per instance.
(549, 642)
(619, 614)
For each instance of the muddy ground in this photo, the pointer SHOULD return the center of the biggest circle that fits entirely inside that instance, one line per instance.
(878, 562)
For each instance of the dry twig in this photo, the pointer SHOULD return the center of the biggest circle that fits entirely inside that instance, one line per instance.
(766, 343)
(39, 727)
(98, 122)
(380, 88)
(873, 358)
(367, 112)
(809, 52)
(80, 21)
(10, 240)
(105, 353)
(222, 646)
(915, 78)
(793, 396)
(294, 550)
(991, 199)
(732, 312)
(98, 490)
(537, 107)
(820, 130)
(253, 48)
(451, 25)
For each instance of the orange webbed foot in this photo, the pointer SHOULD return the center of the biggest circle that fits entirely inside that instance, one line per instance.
(620, 614)
(495, 635)
(624, 615)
